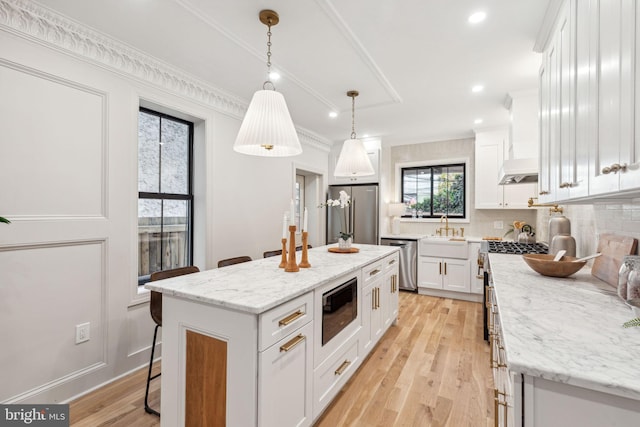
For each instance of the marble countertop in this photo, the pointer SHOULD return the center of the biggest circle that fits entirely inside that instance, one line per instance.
(260, 285)
(567, 330)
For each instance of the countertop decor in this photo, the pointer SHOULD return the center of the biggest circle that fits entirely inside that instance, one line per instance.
(566, 330)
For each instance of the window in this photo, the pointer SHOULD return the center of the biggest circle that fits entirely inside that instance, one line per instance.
(433, 191)
(165, 195)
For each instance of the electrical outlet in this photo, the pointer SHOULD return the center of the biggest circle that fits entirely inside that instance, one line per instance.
(83, 332)
(498, 225)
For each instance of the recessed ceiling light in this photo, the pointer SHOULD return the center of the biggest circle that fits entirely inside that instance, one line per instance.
(477, 88)
(274, 75)
(477, 121)
(477, 17)
(333, 114)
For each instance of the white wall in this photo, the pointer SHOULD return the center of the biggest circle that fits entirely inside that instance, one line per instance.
(68, 182)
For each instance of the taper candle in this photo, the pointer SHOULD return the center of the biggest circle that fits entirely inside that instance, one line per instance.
(292, 218)
(304, 222)
(284, 226)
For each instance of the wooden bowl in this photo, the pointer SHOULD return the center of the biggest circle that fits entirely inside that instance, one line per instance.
(545, 265)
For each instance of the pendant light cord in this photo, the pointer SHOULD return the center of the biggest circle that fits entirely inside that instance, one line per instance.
(268, 82)
(353, 116)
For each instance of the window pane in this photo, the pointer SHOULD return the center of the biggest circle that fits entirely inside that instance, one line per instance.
(149, 236)
(163, 235)
(175, 234)
(175, 157)
(148, 152)
(435, 190)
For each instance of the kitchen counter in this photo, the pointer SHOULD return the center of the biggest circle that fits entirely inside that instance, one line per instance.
(257, 286)
(567, 330)
(405, 236)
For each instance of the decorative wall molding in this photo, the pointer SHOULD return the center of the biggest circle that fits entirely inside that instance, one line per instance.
(32, 21)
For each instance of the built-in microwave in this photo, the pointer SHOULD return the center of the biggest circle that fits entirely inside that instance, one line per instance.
(339, 308)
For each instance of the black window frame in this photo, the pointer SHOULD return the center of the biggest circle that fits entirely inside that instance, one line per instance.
(172, 196)
(430, 168)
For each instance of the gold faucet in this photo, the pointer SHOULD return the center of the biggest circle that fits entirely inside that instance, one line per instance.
(553, 206)
(446, 227)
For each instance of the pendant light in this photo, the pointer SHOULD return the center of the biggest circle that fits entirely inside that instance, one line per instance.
(267, 129)
(354, 160)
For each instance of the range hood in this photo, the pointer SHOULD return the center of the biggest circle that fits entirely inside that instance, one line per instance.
(518, 171)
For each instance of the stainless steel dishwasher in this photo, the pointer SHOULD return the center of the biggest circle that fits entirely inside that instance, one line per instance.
(408, 262)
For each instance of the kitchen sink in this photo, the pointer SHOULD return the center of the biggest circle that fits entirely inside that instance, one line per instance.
(444, 247)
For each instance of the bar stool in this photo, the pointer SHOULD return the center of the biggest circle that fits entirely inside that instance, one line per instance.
(231, 261)
(155, 306)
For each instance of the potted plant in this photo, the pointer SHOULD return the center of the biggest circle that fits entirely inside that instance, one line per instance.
(343, 200)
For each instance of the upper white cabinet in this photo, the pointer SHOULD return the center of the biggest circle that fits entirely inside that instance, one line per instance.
(372, 145)
(589, 121)
(491, 149)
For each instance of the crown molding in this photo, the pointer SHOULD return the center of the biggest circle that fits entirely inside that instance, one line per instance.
(37, 23)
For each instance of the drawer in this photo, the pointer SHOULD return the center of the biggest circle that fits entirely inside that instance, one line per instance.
(331, 376)
(280, 321)
(371, 272)
(391, 262)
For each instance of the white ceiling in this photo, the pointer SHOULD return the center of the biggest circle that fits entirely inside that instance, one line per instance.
(413, 61)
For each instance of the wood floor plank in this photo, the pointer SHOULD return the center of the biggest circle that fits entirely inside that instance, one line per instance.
(431, 369)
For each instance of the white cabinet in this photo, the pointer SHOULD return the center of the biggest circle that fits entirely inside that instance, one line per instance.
(372, 303)
(285, 383)
(589, 95)
(391, 289)
(448, 274)
(490, 149)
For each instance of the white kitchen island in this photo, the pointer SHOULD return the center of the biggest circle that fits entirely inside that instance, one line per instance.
(243, 344)
(561, 357)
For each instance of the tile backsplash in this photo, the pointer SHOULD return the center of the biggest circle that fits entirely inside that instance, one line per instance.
(589, 221)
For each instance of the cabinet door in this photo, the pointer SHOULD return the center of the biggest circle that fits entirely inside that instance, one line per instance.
(613, 51)
(489, 158)
(430, 272)
(517, 195)
(565, 132)
(455, 275)
(544, 193)
(390, 289)
(285, 381)
(554, 116)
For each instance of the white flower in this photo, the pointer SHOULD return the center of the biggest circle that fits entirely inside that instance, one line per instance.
(344, 199)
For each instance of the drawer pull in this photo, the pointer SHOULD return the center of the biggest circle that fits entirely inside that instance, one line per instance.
(374, 272)
(292, 343)
(290, 318)
(373, 298)
(393, 261)
(445, 268)
(377, 297)
(342, 367)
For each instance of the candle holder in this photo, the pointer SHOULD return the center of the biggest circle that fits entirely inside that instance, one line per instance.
(283, 262)
(304, 263)
(292, 265)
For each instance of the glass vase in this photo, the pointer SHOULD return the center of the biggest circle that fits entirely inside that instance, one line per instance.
(344, 244)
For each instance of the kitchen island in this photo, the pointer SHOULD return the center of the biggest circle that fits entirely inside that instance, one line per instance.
(253, 345)
(560, 352)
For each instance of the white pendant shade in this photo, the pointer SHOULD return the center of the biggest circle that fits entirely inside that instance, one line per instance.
(353, 161)
(267, 129)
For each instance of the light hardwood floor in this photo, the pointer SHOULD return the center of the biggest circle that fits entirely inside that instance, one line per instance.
(432, 369)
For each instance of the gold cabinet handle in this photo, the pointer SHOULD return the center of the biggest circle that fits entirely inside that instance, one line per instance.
(291, 318)
(292, 343)
(377, 297)
(543, 192)
(393, 261)
(373, 298)
(374, 272)
(445, 268)
(615, 168)
(440, 270)
(566, 185)
(342, 367)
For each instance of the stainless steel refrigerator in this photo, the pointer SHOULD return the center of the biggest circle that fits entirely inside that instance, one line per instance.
(362, 214)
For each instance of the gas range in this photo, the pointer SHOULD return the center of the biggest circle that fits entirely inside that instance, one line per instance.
(502, 247)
